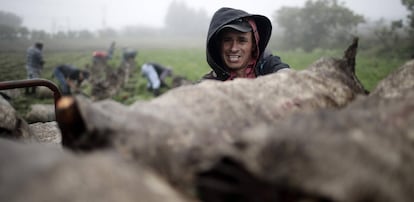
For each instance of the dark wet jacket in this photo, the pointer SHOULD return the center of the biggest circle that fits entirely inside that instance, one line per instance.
(267, 63)
(34, 58)
(68, 71)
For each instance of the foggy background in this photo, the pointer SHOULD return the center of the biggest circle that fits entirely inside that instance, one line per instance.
(62, 15)
(382, 25)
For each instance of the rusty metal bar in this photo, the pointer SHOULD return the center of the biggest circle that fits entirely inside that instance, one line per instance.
(4, 85)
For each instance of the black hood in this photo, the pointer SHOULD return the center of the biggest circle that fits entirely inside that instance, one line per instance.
(222, 17)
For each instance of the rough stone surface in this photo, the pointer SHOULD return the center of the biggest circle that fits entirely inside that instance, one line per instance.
(399, 81)
(41, 113)
(47, 132)
(192, 127)
(39, 172)
(309, 135)
(7, 115)
(11, 124)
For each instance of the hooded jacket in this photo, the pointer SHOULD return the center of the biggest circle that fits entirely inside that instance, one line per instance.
(266, 64)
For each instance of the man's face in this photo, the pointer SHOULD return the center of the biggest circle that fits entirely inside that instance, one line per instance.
(236, 48)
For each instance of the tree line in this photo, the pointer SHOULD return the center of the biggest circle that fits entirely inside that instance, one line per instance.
(179, 20)
(328, 23)
(318, 24)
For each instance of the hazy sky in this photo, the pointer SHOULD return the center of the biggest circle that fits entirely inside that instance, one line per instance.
(53, 15)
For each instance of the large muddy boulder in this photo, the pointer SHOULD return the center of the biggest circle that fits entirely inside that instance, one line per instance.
(15, 127)
(364, 152)
(192, 127)
(223, 107)
(356, 154)
(47, 132)
(310, 135)
(8, 115)
(40, 113)
(43, 92)
(39, 172)
(11, 124)
(11, 93)
(397, 82)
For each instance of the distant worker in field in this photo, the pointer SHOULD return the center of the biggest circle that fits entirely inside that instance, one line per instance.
(103, 56)
(70, 78)
(156, 75)
(236, 43)
(128, 54)
(34, 64)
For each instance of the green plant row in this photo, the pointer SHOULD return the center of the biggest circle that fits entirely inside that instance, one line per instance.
(187, 62)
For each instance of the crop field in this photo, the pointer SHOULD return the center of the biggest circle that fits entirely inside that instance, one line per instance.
(188, 62)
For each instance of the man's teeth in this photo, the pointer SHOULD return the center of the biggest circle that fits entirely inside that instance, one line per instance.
(233, 58)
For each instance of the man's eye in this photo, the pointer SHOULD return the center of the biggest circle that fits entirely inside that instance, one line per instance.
(226, 39)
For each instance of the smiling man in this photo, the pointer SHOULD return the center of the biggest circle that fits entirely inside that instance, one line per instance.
(236, 44)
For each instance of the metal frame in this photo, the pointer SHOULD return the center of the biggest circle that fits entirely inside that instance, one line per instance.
(5, 85)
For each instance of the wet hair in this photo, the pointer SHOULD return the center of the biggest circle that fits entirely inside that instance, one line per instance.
(39, 45)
